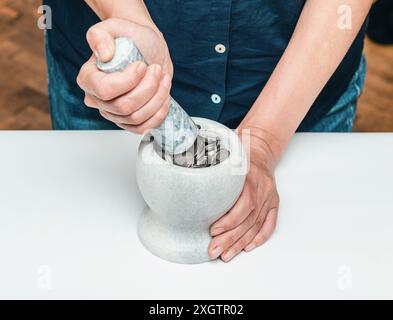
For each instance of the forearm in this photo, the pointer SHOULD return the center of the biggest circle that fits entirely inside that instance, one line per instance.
(133, 10)
(315, 51)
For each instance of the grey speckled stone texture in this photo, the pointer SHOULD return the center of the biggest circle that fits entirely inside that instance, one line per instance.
(184, 202)
(178, 132)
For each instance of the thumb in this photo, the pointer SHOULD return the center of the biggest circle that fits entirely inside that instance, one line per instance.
(101, 42)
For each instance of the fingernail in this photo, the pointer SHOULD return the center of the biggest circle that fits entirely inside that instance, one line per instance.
(250, 247)
(166, 82)
(141, 68)
(228, 256)
(215, 253)
(103, 51)
(216, 231)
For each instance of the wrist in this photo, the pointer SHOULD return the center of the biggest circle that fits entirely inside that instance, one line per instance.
(131, 10)
(263, 146)
(142, 21)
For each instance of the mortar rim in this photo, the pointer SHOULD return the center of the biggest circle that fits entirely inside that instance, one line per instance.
(198, 171)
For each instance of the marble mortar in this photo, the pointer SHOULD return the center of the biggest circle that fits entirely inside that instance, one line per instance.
(182, 203)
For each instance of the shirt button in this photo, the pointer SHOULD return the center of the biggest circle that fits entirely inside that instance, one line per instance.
(220, 48)
(216, 98)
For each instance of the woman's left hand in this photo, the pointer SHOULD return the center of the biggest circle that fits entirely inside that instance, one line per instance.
(252, 220)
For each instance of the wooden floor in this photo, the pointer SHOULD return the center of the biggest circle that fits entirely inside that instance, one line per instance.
(23, 93)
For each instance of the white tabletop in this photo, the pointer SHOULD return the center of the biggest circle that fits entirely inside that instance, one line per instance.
(69, 206)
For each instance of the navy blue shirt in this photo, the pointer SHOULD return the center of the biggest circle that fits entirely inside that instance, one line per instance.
(223, 51)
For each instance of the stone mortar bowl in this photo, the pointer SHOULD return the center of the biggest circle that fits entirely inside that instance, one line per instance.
(184, 202)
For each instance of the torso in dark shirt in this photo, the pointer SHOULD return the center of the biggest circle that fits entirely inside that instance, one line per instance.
(223, 51)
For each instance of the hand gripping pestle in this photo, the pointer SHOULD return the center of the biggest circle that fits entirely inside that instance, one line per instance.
(178, 131)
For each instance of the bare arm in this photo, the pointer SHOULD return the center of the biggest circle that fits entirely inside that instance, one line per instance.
(315, 51)
(133, 10)
(136, 99)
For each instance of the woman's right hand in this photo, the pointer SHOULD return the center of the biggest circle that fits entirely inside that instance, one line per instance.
(136, 99)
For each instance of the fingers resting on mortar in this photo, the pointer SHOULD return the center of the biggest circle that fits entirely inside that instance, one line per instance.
(251, 221)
